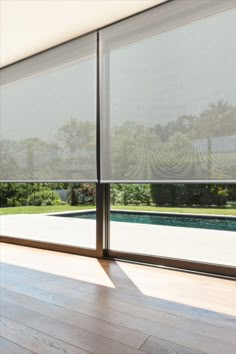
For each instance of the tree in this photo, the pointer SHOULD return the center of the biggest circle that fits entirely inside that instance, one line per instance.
(219, 119)
(81, 193)
(76, 136)
(163, 194)
(190, 194)
(134, 194)
(77, 146)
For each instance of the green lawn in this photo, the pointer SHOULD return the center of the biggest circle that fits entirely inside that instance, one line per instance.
(61, 208)
(43, 209)
(219, 211)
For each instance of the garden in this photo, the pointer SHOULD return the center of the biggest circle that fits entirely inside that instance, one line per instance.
(34, 198)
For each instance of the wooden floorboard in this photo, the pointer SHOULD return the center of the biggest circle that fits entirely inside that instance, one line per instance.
(59, 303)
(75, 318)
(146, 305)
(7, 346)
(62, 331)
(156, 345)
(34, 340)
(126, 319)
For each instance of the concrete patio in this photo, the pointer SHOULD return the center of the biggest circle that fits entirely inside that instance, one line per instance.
(178, 242)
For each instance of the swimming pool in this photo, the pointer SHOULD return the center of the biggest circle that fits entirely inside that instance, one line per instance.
(177, 220)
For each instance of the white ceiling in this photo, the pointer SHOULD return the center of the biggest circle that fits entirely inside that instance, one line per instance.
(30, 26)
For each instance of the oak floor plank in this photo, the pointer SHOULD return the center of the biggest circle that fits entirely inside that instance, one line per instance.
(193, 326)
(105, 307)
(35, 341)
(78, 337)
(190, 312)
(14, 273)
(156, 345)
(9, 347)
(193, 341)
(206, 328)
(180, 287)
(103, 328)
(122, 300)
(209, 327)
(190, 289)
(135, 319)
(178, 336)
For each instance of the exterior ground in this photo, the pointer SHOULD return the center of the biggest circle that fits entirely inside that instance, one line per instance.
(213, 246)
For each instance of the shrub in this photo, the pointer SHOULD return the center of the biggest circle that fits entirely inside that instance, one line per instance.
(82, 193)
(44, 197)
(13, 202)
(134, 194)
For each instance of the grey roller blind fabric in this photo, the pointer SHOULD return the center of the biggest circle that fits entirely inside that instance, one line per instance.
(48, 115)
(168, 94)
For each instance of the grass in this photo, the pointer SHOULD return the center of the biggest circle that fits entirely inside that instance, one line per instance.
(43, 209)
(218, 211)
(61, 208)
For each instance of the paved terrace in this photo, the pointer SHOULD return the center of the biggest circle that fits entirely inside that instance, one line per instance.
(187, 243)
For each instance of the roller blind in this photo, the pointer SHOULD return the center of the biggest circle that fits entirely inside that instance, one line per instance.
(168, 94)
(48, 115)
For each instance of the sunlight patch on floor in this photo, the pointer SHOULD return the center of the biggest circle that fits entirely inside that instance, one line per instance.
(72, 266)
(182, 288)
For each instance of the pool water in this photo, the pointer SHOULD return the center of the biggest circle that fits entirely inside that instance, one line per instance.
(213, 223)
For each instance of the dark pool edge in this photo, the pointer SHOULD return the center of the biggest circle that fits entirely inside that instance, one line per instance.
(159, 213)
(71, 213)
(140, 212)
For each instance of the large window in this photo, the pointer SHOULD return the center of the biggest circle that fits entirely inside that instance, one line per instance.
(169, 95)
(48, 115)
(149, 100)
(49, 213)
(188, 222)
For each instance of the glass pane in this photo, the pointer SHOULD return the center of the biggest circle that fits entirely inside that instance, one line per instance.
(190, 222)
(48, 116)
(52, 213)
(169, 97)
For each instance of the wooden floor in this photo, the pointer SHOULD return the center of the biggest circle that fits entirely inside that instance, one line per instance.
(59, 303)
